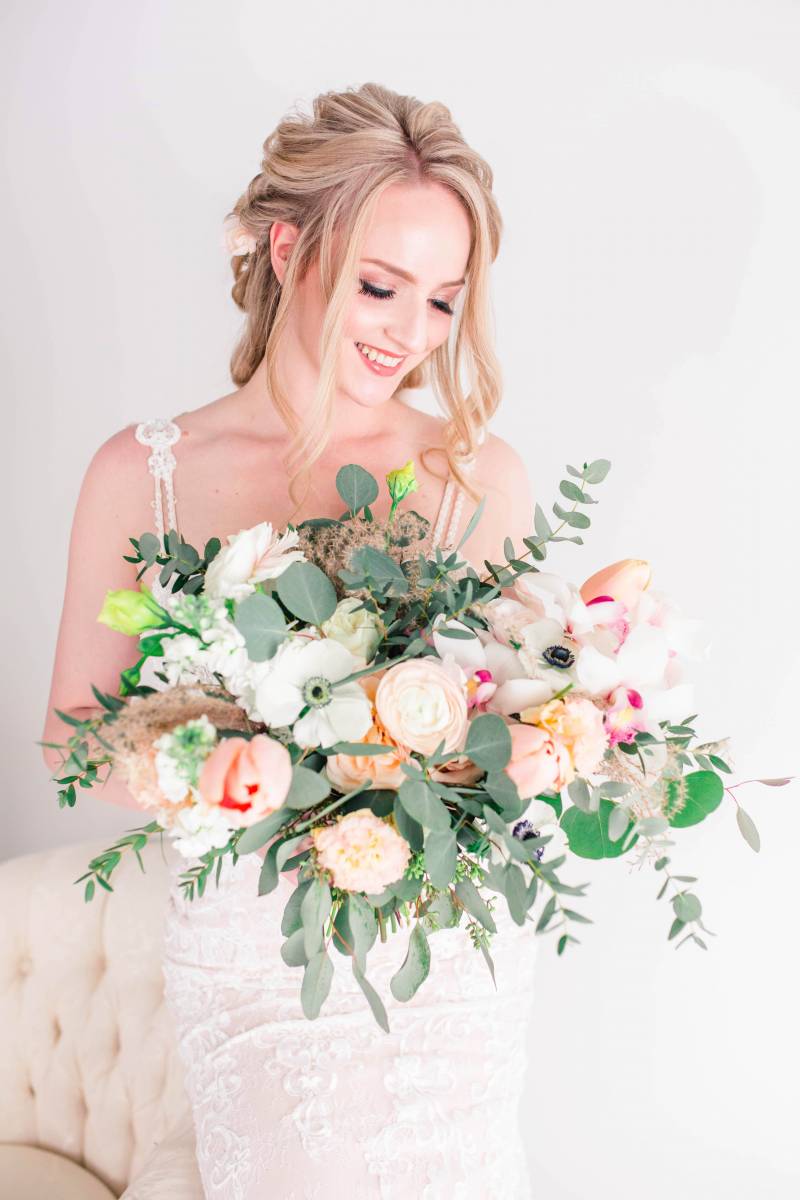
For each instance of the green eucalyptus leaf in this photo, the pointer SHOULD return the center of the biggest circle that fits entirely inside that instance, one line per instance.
(293, 950)
(384, 572)
(307, 592)
(597, 470)
(445, 911)
(748, 830)
(471, 524)
(149, 547)
(406, 889)
(262, 624)
(502, 789)
(516, 892)
(362, 924)
(292, 918)
(618, 823)
(268, 876)
(547, 912)
(307, 789)
(374, 1000)
(472, 900)
(314, 911)
(356, 487)
(255, 836)
(579, 794)
(407, 826)
(441, 854)
(577, 520)
(573, 492)
(488, 742)
(687, 906)
(690, 799)
(588, 833)
(287, 848)
(494, 820)
(317, 979)
(415, 967)
(541, 523)
(423, 805)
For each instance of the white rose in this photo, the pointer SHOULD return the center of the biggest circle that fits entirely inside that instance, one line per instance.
(359, 632)
(251, 556)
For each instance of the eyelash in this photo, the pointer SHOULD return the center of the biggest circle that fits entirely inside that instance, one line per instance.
(369, 289)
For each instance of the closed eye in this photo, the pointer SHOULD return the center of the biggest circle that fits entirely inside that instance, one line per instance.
(369, 289)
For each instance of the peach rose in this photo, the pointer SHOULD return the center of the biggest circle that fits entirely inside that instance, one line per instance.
(576, 727)
(534, 765)
(249, 778)
(423, 701)
(624, 580)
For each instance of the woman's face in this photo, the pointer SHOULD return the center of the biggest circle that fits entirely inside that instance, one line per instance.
(411, 271)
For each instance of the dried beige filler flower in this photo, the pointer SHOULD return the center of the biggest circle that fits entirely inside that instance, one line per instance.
(146, 718)
(330, 547)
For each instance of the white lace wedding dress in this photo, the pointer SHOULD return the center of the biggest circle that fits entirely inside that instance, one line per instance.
(286, 1108)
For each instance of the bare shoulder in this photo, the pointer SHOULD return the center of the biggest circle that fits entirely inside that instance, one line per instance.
(500, 467)
(117, 482)
(501, 475)
(118, 458)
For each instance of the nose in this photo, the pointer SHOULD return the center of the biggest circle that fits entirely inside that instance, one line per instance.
(408, 327)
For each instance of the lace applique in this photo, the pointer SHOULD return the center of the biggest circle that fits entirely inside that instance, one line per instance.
(161, 435)
(335, 1106)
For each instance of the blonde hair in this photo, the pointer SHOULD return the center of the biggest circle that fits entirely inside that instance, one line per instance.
(325, 174)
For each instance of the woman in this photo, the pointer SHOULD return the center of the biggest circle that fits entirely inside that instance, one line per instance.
(369, 224)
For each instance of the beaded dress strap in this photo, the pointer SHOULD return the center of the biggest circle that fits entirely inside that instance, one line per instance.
(444, 530)
(160, 435)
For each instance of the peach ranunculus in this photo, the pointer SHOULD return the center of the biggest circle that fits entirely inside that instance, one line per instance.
(423, 701)
(363, 852)
(249, 779)
(576, 727)
(624, 581)
(348, 771)
(534, 765)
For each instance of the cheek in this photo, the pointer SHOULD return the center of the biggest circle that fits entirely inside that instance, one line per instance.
(361, 317)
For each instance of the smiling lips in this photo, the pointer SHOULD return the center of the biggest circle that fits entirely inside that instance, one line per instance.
(378, 360)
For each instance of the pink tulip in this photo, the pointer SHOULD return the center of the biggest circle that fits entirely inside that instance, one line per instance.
(249, 778)
(534, 765)
(624, 581)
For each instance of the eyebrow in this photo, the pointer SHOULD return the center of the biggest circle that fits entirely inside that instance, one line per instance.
(407, 274)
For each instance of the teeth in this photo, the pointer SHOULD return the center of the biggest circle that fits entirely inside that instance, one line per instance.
(375, 356)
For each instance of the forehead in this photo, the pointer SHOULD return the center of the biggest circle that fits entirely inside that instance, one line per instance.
(422, 228)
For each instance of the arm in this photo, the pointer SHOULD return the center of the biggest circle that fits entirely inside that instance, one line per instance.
(113, 505)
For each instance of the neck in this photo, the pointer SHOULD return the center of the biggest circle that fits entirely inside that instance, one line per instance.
(350, 422)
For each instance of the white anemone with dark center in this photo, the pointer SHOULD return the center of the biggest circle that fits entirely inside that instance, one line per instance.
(303, 689)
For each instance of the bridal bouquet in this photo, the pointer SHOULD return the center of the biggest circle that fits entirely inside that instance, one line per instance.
(412, 737)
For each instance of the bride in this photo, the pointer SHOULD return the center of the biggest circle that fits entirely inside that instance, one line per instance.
(361, 255)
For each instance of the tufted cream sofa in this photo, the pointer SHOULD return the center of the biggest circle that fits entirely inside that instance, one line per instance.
(92, 1103)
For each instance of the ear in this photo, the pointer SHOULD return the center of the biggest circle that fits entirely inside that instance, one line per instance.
(282, 237)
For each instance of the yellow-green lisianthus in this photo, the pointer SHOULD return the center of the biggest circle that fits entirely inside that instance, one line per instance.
(401, 483)
(129, 612)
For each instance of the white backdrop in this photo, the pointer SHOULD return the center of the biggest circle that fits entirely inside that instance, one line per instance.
(646, 309)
